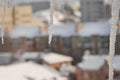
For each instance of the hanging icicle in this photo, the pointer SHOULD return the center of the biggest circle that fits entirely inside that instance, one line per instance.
(51, 20)
(114, 20)
(3, 21)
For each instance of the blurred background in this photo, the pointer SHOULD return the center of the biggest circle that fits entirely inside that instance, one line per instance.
(79, 47)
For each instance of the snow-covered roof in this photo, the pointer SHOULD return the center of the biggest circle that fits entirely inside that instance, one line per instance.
(95, 62)
(89, 29)
(23, 71)
(52, 58)
(117, 63)
(64, 30)
(95, 28)
(28, 31)
(92, 62)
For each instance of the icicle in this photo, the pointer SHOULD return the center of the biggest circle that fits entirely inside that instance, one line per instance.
(51, 20)
(114, 20)
(3, 23)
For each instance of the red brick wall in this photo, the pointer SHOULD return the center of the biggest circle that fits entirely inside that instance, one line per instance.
(90, 75)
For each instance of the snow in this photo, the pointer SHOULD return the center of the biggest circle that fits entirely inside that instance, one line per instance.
(98, 28)
(95, 62)
(116, 61)
(92, 62)
(52, 58)
(78, 14)
(44, 16)
(63, 30)
(89, 29)
(28, 31)
(22, 71)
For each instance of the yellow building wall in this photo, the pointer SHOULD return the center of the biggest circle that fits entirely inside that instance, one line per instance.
(19, 15)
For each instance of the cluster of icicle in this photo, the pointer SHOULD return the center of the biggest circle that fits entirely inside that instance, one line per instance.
(5, 4)
(114, 21)
(3, 16)
(51, 20)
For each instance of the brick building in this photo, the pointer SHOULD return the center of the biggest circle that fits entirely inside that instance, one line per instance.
(95, 67)
(91, 68)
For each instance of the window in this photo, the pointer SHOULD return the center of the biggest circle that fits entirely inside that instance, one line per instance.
(85, 75)
(97, 76)
(91, 76)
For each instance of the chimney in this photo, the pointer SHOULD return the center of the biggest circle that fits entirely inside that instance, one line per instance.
(9, 28)
(43, 28)
(79, 27)
(106, 2)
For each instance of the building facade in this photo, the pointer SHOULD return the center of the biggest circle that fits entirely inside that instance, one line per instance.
(19, 15)
(94, 10)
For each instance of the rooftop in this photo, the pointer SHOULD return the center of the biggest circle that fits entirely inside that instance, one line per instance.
(92, 62)
(64, 30)
(95, 62)
(52, 58)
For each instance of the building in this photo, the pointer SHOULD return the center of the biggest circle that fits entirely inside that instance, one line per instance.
(37, 5)
(41, 43)
(117, 44)
(94, 10)
(8, 19)
(58, 45)
(96, 44)
(17, 16)
(23, 16)
(68, 39)
(76, 48)
(91, 68)
(22, 13)
(95, 67)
